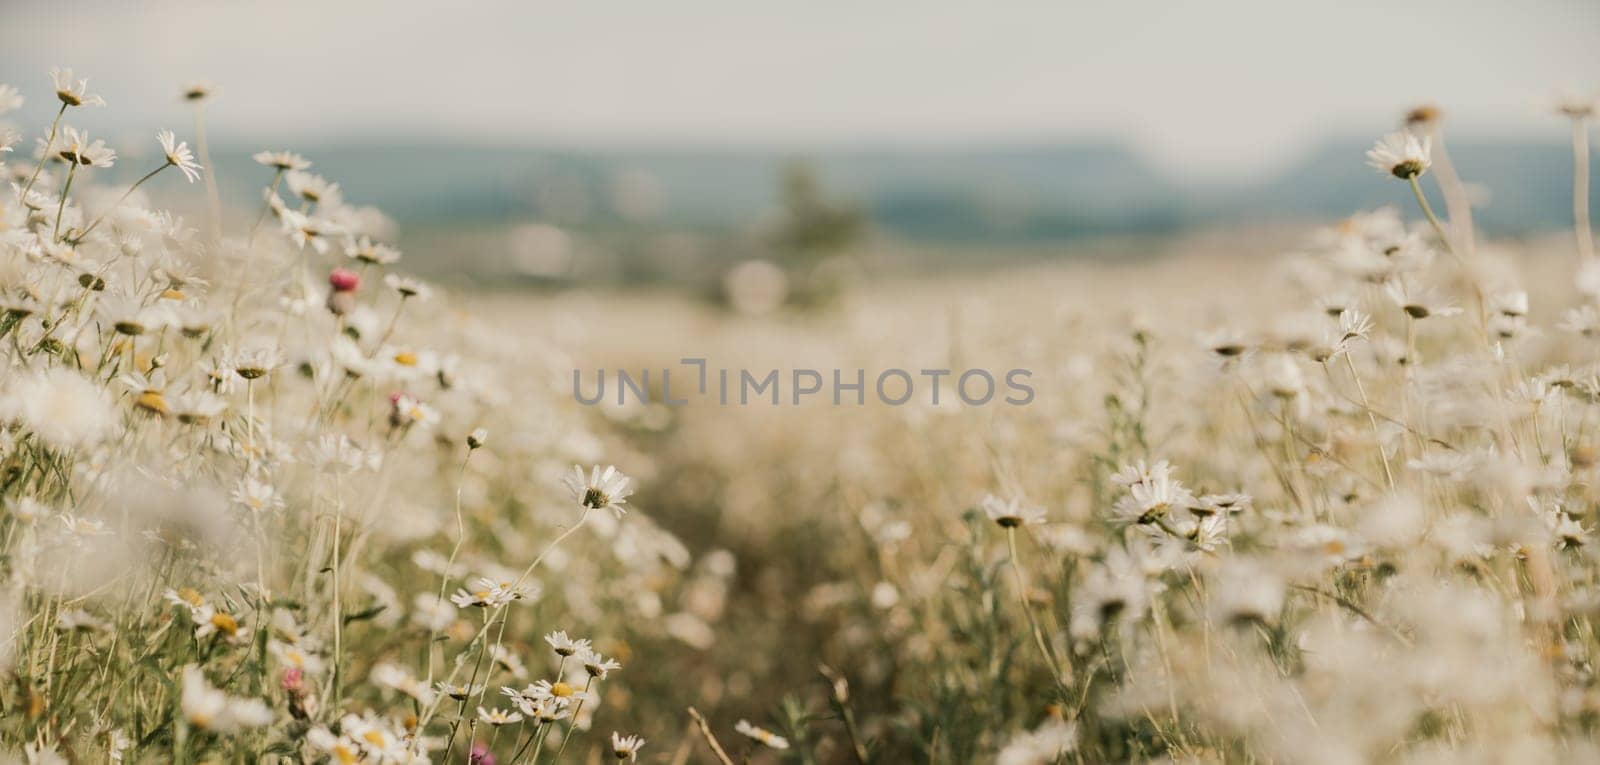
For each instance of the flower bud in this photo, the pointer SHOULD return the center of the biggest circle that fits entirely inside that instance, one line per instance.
(344, 280)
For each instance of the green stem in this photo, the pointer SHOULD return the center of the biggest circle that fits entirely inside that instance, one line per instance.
(62, 206)
(1427, 210)
(1027, 608)
(121, 199)
(572, 725)
(1580, 188)
(48, 144)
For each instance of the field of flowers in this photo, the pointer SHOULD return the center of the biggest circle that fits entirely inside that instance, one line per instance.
(268, 499)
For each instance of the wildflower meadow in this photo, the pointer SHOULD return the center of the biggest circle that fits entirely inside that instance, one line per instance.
(269, 498)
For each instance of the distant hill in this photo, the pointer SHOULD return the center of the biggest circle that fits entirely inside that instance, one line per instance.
(1018, 193)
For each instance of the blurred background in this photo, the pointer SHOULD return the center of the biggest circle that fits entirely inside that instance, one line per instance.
(526, 143)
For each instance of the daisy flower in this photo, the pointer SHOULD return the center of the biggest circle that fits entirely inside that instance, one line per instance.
(306, 230)
(626, 747)
(487, 593)
(598, 666)
(76, 148)
(458, 691)
(209, 621)
(392, 676)
(603, 489)
(73, 92)
(406, 410)
(207, 708)
(178, 155)
(257, 496)
(498, 717)
(1011, 513)
(408, 287)
(366, 251)
(282, 160)
(1419, 303)
(767, 737)
(1401, 155)
(548, 710)
(254, 363)
(565, 646)
(313, 188)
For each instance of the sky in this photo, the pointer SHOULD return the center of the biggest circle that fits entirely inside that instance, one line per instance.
(1206, 90)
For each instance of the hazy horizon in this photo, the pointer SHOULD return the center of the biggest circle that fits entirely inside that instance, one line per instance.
(1203, 93)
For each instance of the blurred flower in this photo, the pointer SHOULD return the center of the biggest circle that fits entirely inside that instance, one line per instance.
(1401, 155)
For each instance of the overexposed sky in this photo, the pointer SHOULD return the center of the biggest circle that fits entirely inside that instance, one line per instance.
(1205, 89)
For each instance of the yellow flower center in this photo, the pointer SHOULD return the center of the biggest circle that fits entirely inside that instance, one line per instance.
(225, 623)
(152, 401)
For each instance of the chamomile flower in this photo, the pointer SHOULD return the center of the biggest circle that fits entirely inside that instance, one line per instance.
(1011, 513)
(598, 666)
(207, 708)
(313, 188)
(208, 621)
(487, 593)
(757, 733)
(365, 250)
(1419, 303)
(294, 656)
(76, 148)
(1401, 154)
(458, 691)
(73, 92)
(392, 676)
(254, 362)
(565, 646)
(306, 230)
(406, 410)
(257, 496)
(548, 709)
(281, 160)
(408, 287)
(178, 155)
(626, 747)
(606, 489)
(498, 717)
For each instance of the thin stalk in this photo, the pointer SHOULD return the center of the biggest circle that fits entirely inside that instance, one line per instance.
(1580, 188)
(711, 740)
(444, 579)
(1427, 210)
(572, 728)
(120, 200)
(49, 143)
(1372, 419)
(266, 203)
(213, 199)
(55, 235)
(1027, 608)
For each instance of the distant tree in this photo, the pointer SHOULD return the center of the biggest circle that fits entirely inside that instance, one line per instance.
(814, 227)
